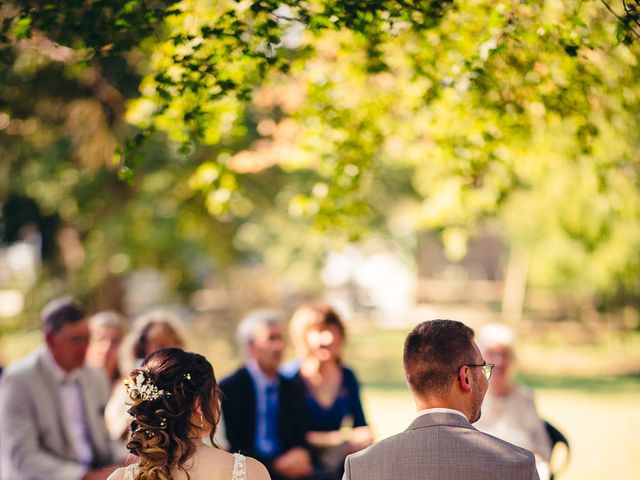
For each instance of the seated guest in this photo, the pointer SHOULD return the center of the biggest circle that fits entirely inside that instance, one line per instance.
(263, 412)
(332, 390)
(107, 330)
(51, 406)
(509, 411)
(150, 332)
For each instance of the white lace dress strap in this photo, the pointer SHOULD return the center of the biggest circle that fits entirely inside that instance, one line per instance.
(239, 467)
(130, 471)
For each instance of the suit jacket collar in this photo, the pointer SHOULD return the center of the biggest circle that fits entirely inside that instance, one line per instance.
(53, 386)
(93, 406)
(440, 419)
(94, 415)
(250, 389)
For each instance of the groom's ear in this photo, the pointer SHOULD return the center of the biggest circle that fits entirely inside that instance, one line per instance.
(464, 379)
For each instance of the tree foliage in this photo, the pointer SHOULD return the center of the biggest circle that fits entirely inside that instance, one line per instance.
(350, 116)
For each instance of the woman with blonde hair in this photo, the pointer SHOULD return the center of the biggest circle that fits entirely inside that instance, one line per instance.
(337, 422)
(175, 400)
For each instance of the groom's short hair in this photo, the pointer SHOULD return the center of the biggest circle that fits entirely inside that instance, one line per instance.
(433, 352)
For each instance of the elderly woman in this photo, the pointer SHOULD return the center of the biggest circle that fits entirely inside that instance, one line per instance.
(508, 410)
(151, 332)
(337, 423)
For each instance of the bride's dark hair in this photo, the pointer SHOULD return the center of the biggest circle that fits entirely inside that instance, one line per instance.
(163, 427)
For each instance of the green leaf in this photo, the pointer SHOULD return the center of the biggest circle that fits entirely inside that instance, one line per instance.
(126, 174)
(130, 6)
(22, 28)
(122, 23)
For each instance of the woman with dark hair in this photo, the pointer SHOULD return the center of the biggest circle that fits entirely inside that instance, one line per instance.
(176, 404)
(332, 390)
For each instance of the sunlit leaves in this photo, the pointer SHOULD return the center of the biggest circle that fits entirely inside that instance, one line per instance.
(101, 27)
(22, 28)
(346, 114)
(486, 101)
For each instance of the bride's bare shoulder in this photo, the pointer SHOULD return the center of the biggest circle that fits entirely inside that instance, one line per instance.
(256, 470)
(253, 468)
(117, 474)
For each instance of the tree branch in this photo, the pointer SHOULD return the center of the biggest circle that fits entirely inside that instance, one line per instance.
(92, 77)
(622, 19)
(632, 15)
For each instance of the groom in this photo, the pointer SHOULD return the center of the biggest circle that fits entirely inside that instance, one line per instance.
(448, 379)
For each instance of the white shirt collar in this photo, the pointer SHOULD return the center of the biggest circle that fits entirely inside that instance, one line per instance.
(59, 374)
(440, 410)
(259, 378)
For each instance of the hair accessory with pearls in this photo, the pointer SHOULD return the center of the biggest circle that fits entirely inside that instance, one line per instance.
(141, 388)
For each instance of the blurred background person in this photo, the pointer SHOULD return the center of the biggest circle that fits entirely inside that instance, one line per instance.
(151, 332)
(51, 406)
(509, 411)
(107, 330)
(265, 413)
(337, 422)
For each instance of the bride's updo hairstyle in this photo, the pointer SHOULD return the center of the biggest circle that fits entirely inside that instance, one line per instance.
(163, 392)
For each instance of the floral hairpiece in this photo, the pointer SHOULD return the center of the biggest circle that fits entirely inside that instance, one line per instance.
(141, 388)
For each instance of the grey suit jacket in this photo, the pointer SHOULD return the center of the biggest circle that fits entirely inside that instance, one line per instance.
(441, 446)
(34, 434)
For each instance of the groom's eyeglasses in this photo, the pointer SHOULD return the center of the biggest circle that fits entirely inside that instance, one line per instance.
(487, 368)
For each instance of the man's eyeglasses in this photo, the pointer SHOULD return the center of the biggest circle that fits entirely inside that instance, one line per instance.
(487, 368)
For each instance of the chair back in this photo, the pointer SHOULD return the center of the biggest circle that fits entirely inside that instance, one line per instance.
(557, 439)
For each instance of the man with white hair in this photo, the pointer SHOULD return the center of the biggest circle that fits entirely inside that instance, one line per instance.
(264, 413)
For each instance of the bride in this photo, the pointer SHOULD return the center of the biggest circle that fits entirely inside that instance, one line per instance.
(175, 404)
